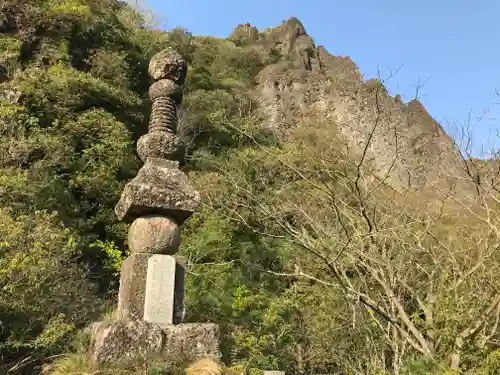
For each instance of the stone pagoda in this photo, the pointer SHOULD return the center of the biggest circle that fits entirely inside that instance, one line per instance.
(156, 203)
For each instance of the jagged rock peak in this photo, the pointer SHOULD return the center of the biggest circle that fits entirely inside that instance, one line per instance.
(291, 28)
(286, 33)
(307, 82)
(244, 33)
(293, 45)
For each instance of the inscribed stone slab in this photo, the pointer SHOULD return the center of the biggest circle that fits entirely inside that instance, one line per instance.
(160, 290)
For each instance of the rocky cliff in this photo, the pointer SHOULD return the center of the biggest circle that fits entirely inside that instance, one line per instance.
(407, 147)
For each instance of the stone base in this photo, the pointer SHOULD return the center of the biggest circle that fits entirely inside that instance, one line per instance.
(133, 276)
(112, 341)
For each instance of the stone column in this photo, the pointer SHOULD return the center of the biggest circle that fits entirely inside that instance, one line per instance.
(156, 203)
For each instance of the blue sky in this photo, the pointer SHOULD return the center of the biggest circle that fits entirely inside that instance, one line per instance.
(451, 46)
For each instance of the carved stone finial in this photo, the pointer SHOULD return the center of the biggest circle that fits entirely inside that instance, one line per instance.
(169, 70)
(166, 96)
(168, 64)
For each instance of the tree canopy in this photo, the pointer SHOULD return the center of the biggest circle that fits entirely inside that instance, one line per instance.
(307, 265)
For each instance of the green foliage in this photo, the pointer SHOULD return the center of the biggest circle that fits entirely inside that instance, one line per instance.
(53, 332)
(183, 42)
(9, 44)
(114, 255)
(43, 293)
(110, 66)
(69, 150)
(225, 285)
(421, 366)
(488, 366)
(61, 92)
(297, 192)
(492, 363)
(79, 164)
(81, 66)
(66, 7)
(274, 56)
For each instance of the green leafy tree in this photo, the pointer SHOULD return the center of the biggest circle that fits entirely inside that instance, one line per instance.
(43, 291)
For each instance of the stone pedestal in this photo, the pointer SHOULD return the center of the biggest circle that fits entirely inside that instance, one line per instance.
(112, 340)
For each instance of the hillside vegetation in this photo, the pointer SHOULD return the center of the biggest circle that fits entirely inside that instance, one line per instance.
(310, 261)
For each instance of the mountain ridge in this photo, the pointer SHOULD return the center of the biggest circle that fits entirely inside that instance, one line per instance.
(307, 81)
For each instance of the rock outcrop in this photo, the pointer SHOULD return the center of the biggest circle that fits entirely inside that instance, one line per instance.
(409, 149)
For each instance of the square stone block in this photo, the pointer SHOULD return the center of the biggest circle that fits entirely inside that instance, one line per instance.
(115, 340)
(151, 289)
(181, 343)
(133, 287)
(197, 340)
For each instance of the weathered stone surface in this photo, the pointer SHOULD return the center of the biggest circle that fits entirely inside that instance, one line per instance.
(160, 290)
(133, 287)
(168, 64)
(330, 90)
(160, 144)
(179, 293)
(283, 37)
(155, 235)
(115, 340)
(165, 87)
(244, 33)
(164, 115)
(197, 339)
(159, 188)
(164, 299)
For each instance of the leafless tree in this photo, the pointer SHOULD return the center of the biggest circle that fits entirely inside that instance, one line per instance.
(426, 280)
